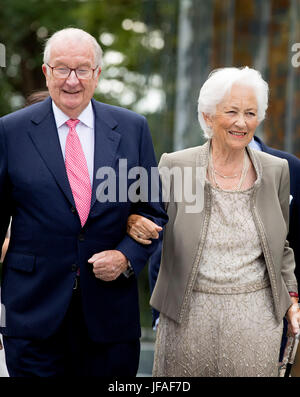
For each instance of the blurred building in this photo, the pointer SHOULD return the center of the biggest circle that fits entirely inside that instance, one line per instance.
(259, 34)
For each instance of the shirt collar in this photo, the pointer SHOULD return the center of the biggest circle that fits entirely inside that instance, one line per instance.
(255, 144)
(86, 116)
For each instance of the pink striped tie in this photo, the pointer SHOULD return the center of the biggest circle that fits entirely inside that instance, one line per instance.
(77, 172)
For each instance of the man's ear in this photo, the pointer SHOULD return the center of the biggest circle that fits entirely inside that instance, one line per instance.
(98, 73)
(45, 71)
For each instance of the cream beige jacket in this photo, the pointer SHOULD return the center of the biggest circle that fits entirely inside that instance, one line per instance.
(185, 233)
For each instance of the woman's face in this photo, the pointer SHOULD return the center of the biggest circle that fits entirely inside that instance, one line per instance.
(235, 120)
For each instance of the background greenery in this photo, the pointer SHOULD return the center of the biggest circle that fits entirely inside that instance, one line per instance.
(138, 38)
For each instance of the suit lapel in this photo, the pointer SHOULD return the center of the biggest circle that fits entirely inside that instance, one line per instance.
(107, 140)
(45, 138)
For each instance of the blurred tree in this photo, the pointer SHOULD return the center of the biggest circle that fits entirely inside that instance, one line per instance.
(24, 26)
(139, 43)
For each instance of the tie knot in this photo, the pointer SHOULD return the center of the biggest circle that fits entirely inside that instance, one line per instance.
(72, 123)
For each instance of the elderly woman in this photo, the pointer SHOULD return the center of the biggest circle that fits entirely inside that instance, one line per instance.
(227, 273)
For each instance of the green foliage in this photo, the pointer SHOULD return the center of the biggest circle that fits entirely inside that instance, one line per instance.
(25, 24)
(139, 42)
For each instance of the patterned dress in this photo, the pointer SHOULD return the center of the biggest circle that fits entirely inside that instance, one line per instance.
(230, 328)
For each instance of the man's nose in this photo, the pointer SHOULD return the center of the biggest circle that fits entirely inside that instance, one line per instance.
(72, 79)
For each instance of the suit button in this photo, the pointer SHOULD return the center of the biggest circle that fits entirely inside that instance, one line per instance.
(81, 237)
(73, 209)
(74, 268)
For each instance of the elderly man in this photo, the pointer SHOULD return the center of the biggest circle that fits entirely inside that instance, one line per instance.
(69, 285)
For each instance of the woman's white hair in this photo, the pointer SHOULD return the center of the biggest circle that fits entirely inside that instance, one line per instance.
(220, 82)
(73, 34)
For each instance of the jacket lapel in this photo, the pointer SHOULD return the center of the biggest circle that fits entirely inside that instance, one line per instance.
(107, 141)
(45, 138)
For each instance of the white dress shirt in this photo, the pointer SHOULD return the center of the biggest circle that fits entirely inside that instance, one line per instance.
(84, 129)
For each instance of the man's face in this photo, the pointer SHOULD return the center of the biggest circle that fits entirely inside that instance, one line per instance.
(71, 94)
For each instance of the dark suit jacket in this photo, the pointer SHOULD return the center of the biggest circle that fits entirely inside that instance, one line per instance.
(294, 227)
(47, 243)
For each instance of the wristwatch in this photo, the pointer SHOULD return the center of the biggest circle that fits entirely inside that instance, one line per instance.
(129, 271)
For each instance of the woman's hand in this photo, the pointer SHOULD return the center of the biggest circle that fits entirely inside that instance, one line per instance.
(142, 229)
(293, 318)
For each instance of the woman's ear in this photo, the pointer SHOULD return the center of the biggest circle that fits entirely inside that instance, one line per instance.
(208, 119)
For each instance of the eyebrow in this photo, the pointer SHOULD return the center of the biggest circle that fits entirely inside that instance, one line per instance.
(79, 66)
(236, 107)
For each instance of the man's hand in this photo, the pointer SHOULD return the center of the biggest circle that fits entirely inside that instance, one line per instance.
(108, 265)
(293, 317)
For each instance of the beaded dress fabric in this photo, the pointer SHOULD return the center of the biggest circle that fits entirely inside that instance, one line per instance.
(230, 329)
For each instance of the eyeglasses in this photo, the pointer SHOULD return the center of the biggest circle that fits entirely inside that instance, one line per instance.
(63, 72)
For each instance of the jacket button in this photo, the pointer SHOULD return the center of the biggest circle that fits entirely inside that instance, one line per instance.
(81, 237)
(74, 268)
(73, 209)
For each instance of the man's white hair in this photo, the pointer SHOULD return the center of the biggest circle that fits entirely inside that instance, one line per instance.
(220, 82)
(73, 34)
